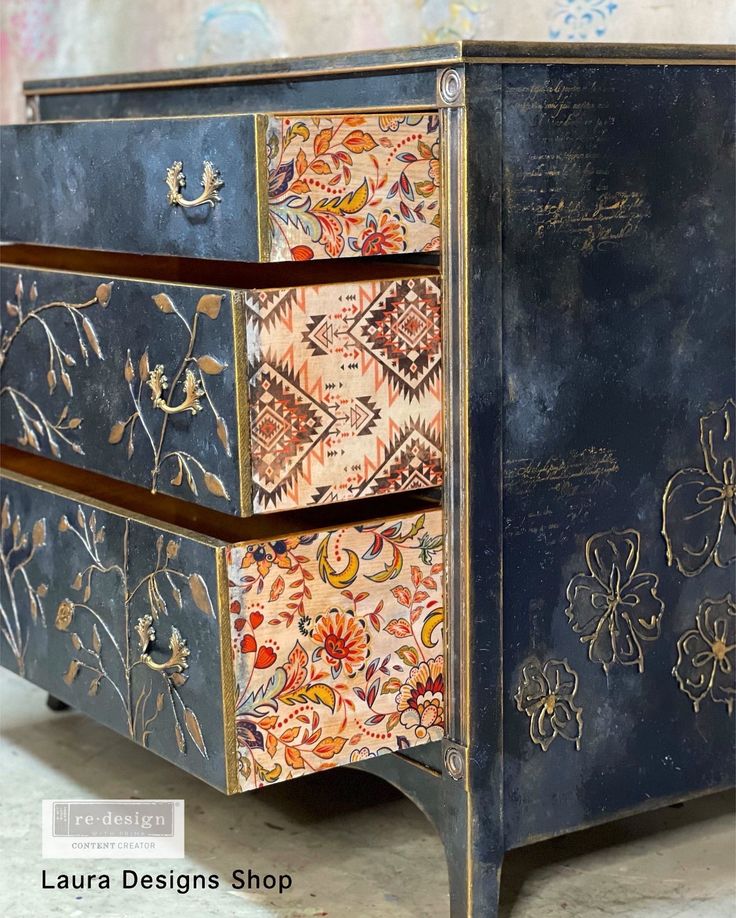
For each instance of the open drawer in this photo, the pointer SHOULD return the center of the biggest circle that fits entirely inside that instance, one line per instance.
(239, 187)
(246, 401)
(244, 660)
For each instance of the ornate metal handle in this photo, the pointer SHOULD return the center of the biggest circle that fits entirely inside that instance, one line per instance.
(211, 184)
(178, 650)
(158, 383)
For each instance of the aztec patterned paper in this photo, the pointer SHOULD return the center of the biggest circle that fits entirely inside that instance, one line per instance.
(353, 185)
(345, 391)
(337, 646)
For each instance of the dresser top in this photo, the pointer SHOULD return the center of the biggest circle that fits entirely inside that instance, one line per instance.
(427, 56)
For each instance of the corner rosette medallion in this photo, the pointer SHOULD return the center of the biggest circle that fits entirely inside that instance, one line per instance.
(699, 505)
(546, 694)
(614, 609)
(706, 655)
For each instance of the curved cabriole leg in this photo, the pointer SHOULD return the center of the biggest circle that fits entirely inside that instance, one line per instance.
(470, 833)
(471, 838)
(56, 704)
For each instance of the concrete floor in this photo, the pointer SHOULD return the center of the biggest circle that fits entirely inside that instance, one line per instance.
(352, 845)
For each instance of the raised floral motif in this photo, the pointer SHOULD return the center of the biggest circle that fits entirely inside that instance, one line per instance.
(546, 694)
(706, 655)
(17, 551)
(353, 185)
(615, 608)
(187, 384)
(100, 654)
(335, 640)
(699, 504)
(39, 429)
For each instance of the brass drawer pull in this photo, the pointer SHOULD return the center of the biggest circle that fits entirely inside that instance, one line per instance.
(211, 184)
(177, 660)
(158, 383)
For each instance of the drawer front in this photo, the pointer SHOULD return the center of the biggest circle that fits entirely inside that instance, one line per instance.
(103, 185)
(245, 401)
(238, 187)
(244, 664)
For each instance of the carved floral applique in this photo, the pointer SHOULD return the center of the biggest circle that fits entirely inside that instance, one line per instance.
(699, 505)
(706, 655)
(17, 551)
(546, 694)
(39, 430)
(99, 654)
(614, 608)
(187, 384)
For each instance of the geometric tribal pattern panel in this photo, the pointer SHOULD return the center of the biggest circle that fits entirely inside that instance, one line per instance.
(345, 391)
(336, 643)
(353, 185)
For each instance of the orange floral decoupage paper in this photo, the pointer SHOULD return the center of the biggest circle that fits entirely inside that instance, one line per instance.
(336, 646)
(353, 185)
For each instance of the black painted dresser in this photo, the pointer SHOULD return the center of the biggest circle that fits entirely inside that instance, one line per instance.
(378, 411)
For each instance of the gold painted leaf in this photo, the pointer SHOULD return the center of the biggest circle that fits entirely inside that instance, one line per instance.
(180, 741)
(76, 641)
(223, 434)
(177, 479)
(164, 302)
(33, 606)
(215, 486)
(210, 305)
(67, 380)
(143, 366)
(129, 372)
(92, 337)
(77, 582)
(93, 686)
(160, 701)
(178, 679)
(33, 295)
(12, 308)
(19, 287)
(38, 537)
(42, 589)
(71, 674)
(103, 294)
(6, 514)
(51, 380)
(200, 594)
(172, 549)
(96, 642)
(194, 730)
(210, 365)
(74, 423)
(116, 432)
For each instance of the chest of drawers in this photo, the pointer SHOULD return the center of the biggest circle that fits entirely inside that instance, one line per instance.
(427, 358)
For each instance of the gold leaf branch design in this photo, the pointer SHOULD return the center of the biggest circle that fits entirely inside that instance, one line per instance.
(36, 425)
(191, 373)
(115, 665)
(17, 550)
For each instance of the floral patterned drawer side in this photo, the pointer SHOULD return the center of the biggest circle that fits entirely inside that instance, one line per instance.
(337, 646)
(352, 185)
(344, 391)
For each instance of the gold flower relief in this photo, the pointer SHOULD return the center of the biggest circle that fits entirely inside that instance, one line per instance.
(706, 654)
(189, 386)
(17, 549)
(104, 659)
(613, 607)
(699, 505)
(67, 341)
(546, 694)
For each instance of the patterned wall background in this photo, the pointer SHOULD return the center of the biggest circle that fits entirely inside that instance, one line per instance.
(75, 37)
